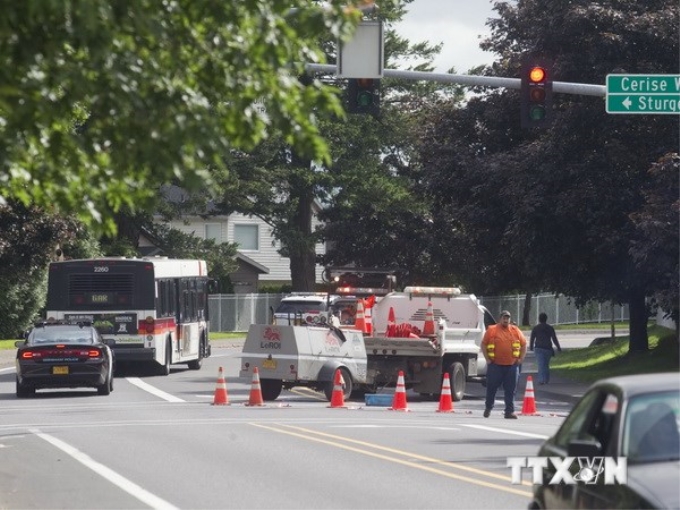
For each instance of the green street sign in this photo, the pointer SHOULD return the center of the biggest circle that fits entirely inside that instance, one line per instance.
(643, 94)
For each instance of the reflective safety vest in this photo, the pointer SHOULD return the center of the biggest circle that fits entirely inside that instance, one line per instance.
(516, 348)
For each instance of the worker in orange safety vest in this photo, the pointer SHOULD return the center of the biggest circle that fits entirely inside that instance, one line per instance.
(504, 347)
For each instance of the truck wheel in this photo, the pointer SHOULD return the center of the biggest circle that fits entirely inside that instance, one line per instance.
(348, 388)
(457, 381)
(271, 388)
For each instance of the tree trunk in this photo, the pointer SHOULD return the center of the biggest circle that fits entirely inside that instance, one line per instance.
(301, 246)
(638, 322)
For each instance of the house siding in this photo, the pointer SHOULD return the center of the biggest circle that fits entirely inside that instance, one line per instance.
(266, 254)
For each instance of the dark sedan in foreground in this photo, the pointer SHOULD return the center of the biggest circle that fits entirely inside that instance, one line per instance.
(63, 355)
(618, 448)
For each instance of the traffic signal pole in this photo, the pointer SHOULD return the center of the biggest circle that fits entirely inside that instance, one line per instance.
(582, 89)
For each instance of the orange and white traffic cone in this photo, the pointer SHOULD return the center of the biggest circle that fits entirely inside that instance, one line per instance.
(221, 398)
(338, 396)
(391, 321)
(399, 399)
(255, 398)
(445, 400)
(428, 328)
(368, 316)
(359, 320)
(529, 404)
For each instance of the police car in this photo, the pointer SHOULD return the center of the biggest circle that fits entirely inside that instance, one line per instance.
(303, 309)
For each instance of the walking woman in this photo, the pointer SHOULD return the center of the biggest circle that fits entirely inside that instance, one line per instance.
(542, 337)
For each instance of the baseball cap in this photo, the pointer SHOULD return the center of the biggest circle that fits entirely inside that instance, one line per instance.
(505, 312)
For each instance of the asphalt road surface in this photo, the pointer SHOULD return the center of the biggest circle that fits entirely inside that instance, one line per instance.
(158, 442)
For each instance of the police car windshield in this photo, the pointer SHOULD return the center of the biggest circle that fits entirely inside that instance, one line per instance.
(301, 306)
(56, 334)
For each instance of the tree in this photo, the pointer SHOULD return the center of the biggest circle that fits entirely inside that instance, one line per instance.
(659, 233)
(104, 101)
(29, 241)
(281, 186)
(553, 208)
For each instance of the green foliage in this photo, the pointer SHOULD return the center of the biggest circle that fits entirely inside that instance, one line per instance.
(610, 359)
(104, 101)
(28, 240)
(356, 186)
(553, 209)
(219, 257)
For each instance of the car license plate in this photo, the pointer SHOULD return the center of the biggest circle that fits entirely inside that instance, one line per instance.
(60, 370)
(269, 363)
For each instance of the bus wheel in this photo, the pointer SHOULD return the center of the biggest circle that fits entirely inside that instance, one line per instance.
(457, 381)
(271, 388)
(195, 364)
(164, 369)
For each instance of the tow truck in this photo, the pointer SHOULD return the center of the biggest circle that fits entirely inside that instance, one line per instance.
(309, 355)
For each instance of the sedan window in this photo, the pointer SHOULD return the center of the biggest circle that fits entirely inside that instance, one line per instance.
(651, 428)
(579, 420)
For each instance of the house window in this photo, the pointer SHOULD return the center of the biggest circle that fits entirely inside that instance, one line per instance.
(247, 237)
(213, 231)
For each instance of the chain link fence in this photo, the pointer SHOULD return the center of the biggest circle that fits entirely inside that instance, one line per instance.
(560, 309)
(236, 312)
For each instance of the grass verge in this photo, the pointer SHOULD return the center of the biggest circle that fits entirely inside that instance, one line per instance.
(611, 358)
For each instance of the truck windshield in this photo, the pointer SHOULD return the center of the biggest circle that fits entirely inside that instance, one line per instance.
(301, 306)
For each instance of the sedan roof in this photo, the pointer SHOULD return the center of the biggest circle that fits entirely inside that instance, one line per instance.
(643, 383)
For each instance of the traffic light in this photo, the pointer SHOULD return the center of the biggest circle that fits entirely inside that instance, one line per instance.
(363, 96)
(536, 92)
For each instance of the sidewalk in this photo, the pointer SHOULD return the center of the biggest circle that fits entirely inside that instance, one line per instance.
(559, 388)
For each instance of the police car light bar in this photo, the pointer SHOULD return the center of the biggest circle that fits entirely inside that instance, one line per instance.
(361, 290)
(433, 291)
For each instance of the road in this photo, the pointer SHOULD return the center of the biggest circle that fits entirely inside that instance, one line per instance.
(158, 442)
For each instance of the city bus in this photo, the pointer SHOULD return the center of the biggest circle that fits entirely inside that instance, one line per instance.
(151, 309)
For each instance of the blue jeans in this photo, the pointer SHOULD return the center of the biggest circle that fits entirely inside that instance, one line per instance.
(543, 361)
(501, 375)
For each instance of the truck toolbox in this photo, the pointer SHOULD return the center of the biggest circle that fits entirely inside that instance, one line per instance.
(379, 399)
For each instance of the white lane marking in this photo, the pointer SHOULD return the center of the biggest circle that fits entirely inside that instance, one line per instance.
(6, 369)
(110, 475)
(506, 431)
(153, 390)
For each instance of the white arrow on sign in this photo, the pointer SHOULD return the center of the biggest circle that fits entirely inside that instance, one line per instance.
(627, 102)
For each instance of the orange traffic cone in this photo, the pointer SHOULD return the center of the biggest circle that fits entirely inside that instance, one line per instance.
(221, 398)
(390, 330)
(529, 404)
(428, 328)
(368, 317)
(399, 400)
(445, 400)
(338, 396)
(359, 320)
(255, 398)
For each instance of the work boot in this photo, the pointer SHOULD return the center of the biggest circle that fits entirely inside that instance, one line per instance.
(487, 412)
(510, 416)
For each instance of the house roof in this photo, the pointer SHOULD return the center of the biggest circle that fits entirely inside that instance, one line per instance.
(247, 260)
